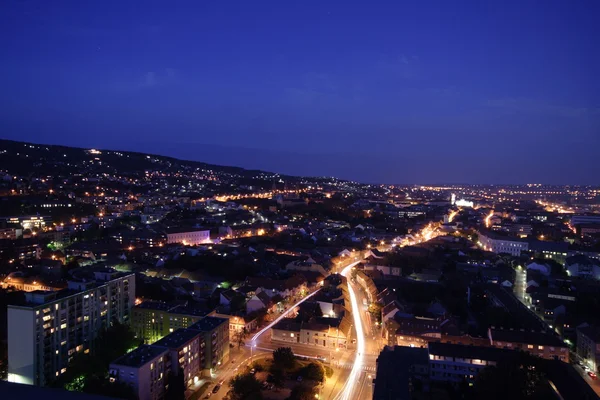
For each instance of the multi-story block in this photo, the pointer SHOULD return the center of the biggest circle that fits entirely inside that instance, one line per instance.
(540, 344)
(502, 244)
(188, 237)
(216, 338)
(588, 346)
(145, 369)
(455, 362)
(186, 353)
(153, 320)
(51, 327)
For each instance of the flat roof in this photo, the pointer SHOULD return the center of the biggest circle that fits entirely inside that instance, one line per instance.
(209, 323)
(472, 352)
(177, 339)
(140, 356)
(394, 366)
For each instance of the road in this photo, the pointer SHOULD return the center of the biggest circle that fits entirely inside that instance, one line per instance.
(594, 383)
(358, 383)
(354, 370)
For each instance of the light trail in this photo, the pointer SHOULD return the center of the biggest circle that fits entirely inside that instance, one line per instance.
(452, 215)
(488, 218)
(347, 392)
(269, 326)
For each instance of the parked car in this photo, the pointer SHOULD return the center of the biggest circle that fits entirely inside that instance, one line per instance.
(216, 389)
(592, 374)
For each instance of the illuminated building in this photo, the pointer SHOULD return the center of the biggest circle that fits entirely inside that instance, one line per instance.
(188, 237)
(45, 333)
(153, 320)
(30, 221)
(144, 369)
(502, 244)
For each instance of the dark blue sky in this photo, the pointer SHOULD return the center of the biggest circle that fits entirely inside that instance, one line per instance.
(380, 91)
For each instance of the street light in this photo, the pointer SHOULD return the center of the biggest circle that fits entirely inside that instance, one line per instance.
(252, 346)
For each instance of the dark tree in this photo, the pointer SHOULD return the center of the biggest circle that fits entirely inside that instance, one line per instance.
(284, 357)
(245, 387)
(313, 372)
(276, 377)
(302, 392)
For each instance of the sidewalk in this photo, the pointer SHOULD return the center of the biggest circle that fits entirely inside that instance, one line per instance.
(333, 385)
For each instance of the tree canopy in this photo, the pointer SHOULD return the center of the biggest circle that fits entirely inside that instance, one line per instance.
(284, 357)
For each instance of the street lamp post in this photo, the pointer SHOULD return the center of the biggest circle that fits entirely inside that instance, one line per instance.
(252, 346)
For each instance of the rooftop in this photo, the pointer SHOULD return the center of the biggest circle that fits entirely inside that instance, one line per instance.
(177, 339)
(140, 356)
(524, 336)
(287, 326)
(470, 352)
(208, 324)
(394, 366)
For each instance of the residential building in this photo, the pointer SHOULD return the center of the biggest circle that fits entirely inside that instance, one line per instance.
(588, 346)
(456, 363)
(502, 244)
(145, 369)
(186, 353)
(556, 251)
(215, 332)
(188, 237)
(46, 331)
(237, 322)
(397, 370)
(29, 221)
(328, 333)
(540, 344)
(153, 320)
(583, 267)
(585, 219)
(28, 284)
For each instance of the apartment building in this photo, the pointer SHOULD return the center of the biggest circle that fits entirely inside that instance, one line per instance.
(588, 346)
(455, 363)
(186, 353)
(153, 320)
(47, 330)
(502, 244)
(540, 344)
(215, 332)
(145, 369)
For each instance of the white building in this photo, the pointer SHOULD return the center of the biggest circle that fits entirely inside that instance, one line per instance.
(144, 369)
(500, 244)
(45, 333)
(189, 237)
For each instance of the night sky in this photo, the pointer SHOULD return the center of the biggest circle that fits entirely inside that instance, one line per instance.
(377, 91)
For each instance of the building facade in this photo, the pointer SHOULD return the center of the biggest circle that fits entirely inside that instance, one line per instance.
(45, 333)
(186, 353)
(145, 369)
(189, 237)
(588, 346)
(215, 332)
(500, 244)
(153, 320)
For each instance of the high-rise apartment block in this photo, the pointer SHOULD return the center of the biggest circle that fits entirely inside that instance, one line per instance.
(51, 327)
